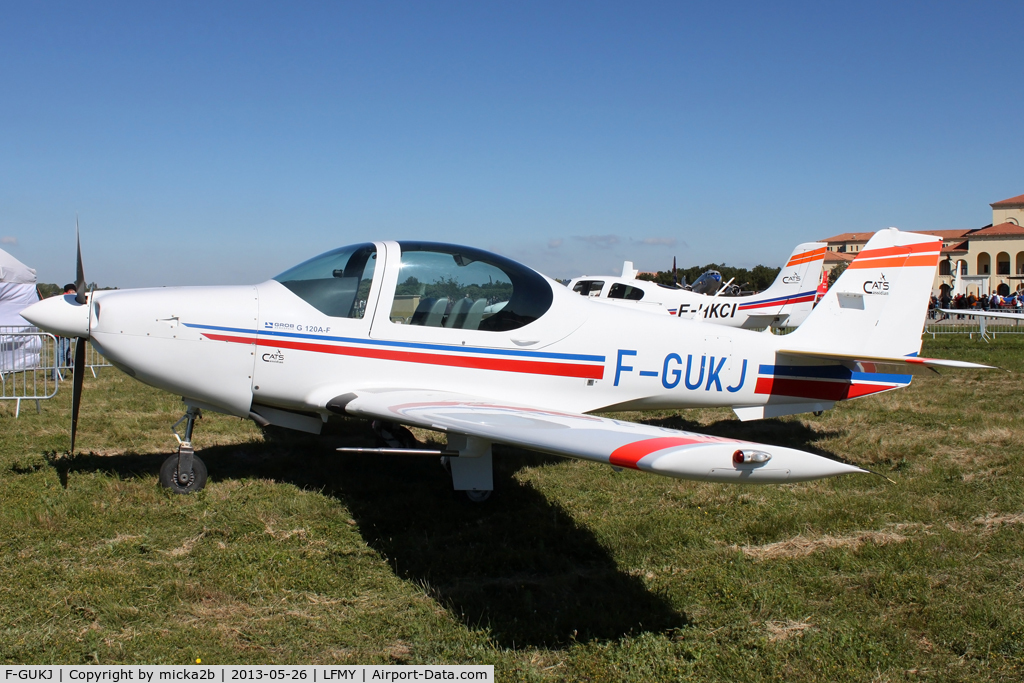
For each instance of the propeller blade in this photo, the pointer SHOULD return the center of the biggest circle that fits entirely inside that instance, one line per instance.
(76, 389)
(80, 276)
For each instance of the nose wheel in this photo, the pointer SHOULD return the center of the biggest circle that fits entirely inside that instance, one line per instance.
(184, 472)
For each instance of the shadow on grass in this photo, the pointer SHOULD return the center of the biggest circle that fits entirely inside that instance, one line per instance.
(517, 565)
(770, 431)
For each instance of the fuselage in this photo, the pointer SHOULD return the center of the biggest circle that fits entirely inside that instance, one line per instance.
(786, 303)
(310, 335)
(750, 311)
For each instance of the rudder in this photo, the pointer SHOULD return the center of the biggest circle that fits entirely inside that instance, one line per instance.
(878, 306)
(791, 296)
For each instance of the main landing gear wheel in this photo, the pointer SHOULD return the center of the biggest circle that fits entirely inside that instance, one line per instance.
(394, 435)
(478, 496)
(184, 481)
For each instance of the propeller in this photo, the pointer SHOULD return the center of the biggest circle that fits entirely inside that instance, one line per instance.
(80, 272)
(78, 368)
(76, 388)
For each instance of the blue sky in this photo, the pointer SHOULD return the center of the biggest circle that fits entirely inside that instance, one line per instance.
(219, 142)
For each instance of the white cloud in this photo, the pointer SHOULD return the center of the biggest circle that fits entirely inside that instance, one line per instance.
(659, 241)
(603, 241)
(9, 240)
(555, 243)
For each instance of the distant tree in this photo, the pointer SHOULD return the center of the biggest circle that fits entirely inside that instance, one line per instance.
(410, 286)
(836, 271)
(447, 287)
(762, 277)
(46, 289)
(757, 279)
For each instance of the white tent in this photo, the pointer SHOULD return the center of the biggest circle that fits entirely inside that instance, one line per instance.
(13, 270)
(17, 292)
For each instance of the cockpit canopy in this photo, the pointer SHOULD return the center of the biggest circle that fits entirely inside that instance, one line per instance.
(336, 283)
(447, 285)
(439, 285)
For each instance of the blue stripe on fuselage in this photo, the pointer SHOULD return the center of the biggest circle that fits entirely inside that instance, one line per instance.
(406, 345)
(838, 372)
(779, 299)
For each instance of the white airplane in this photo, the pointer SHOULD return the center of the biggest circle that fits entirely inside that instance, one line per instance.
(786, 303)
(466, 342)
(975, 313)
(959, 289)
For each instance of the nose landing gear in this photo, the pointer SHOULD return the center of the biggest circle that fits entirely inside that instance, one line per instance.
(184, 472)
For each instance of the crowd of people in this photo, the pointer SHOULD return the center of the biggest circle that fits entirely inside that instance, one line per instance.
(1014, 303)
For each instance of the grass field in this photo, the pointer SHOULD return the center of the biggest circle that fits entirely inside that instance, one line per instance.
(296, 554)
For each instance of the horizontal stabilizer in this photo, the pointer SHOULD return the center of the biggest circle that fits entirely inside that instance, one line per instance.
(908, 361)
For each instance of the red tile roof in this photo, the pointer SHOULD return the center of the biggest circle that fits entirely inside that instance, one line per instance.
(1001, 229)
(849, 237)
(944, 234)
(1012, 201)
(865, 236)
(833, 258)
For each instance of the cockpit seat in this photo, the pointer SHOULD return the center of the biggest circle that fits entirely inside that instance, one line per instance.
(475, 315)
(457, 318)
(430, 312)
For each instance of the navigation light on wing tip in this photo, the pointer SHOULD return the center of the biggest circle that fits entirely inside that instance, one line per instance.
(748, 457)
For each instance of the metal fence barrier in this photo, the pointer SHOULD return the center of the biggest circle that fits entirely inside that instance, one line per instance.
(983, 327)
(27, 366)
(33, 363)
(66, 355)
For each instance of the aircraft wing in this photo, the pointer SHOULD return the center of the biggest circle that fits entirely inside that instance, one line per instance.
(684, 455)
(983, 314)
(904, 361)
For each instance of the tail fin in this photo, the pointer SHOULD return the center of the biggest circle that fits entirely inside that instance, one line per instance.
(877, 307)
(958, 283)
(791, 296)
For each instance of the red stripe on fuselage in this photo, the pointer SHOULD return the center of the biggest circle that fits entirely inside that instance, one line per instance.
(828, 391)
(786, 302)
(499, 364)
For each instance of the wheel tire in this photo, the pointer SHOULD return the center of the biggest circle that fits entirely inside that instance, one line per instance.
(394, 435)
(478, 496)
(169, 479)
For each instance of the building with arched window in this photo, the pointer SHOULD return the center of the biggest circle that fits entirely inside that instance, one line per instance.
(1009, 211)
(996, 251)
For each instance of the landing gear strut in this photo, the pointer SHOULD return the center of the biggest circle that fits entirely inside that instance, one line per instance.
(184, 472)
(471, 471)
(467, 459)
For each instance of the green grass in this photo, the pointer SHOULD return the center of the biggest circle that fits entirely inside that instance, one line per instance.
(296, 554)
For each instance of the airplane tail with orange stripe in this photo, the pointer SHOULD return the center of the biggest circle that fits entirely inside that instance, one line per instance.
(877, 307)
(791, 297)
